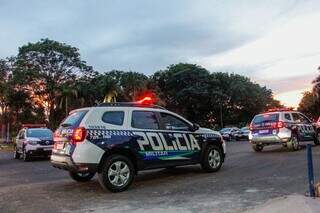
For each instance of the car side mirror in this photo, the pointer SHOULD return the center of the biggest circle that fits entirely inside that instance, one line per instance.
(195, 127)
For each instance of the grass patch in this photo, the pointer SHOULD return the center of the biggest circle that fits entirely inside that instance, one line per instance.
(6, 147)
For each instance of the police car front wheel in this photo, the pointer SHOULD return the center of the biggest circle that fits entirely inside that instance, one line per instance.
(82, 176)
(116, 174)
(212, 159)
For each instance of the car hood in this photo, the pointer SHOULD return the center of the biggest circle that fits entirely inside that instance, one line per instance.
(33, 139)
(38, 139)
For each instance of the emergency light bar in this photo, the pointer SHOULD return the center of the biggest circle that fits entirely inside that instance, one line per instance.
(146, 100)
(280, 109)
(33, 125)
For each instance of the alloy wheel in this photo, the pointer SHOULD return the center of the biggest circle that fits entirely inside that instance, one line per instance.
(118, 173)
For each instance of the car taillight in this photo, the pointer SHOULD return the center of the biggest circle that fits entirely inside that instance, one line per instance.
(78, 135)
(280, 124)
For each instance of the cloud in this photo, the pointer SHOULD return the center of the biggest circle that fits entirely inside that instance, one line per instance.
(142, 35)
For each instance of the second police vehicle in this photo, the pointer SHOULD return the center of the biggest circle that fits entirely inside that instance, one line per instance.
(116, 140)
(283, 127)
(33, 140)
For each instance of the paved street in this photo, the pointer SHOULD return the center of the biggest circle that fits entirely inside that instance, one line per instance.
(247, 179)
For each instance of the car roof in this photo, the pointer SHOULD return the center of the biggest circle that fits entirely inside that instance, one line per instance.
(137, 107)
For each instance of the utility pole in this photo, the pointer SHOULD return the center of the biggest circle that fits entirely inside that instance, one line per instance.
(8, 131)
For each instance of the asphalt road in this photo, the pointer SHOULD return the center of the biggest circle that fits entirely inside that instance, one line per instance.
(246, 179)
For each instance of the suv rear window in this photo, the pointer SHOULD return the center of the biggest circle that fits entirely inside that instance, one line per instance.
(265, 118)
(74, 119)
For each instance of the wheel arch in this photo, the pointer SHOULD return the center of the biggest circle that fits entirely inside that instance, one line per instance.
(119, 151)
(212, 141)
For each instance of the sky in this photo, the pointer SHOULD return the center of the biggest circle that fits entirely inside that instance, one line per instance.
(274, 42)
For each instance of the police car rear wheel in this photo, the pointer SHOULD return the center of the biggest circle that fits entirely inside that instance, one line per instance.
(293, 144)
(82, 176)
(257, 148)
(117, 173)
(212, 159)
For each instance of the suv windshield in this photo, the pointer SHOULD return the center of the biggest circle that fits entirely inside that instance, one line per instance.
(266, 118)
(225, 130)
(74, 119)
(244, 129)
(39, 133)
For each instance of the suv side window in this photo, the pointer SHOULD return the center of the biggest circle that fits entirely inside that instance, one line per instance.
(172, 122)
(304, 119)
(296, 117)
(113, 117)
(287, 116)
(144, 120)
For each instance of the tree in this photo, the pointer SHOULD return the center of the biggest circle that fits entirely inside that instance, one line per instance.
(310, 105)
(16, 106)
(211, 99)
(132, 85)
(45, 67)
(184, 89)
(310, 102)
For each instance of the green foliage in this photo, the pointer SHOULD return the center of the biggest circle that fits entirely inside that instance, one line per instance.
(310, 105)
(211, 99)
(47, 70)
(48, 79)
(310, 102)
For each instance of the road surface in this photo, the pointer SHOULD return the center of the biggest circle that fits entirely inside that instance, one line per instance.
(246, 179)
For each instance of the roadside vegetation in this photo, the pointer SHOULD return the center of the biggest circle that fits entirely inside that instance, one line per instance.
(48, 79)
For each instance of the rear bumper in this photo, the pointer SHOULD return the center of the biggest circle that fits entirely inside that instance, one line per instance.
(65, 162)
(269, 140)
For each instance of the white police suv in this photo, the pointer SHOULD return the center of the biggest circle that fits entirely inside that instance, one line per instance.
(284, 127)
(33, 140)
(116, 140)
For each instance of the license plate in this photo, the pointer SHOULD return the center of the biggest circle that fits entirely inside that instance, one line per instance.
(263, 131)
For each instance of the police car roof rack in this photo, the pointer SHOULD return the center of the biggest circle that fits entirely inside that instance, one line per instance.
(130, 104)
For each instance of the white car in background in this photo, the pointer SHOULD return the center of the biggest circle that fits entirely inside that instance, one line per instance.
(33, 141)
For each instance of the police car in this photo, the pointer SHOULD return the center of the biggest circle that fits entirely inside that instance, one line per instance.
(284, 127)
(116, 140)
(33, 140)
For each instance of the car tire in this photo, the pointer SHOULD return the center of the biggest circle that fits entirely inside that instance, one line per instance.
(257, 148)
(116, 173)
(317, 138)
(82, 176)
(293, 144)
(16, 154)
(212, 159)
(25, 156)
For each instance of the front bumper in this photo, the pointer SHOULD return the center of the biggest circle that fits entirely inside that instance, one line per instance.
(62, 161)
(39, 151)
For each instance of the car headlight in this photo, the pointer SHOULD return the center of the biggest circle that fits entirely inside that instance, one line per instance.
(33, 142)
